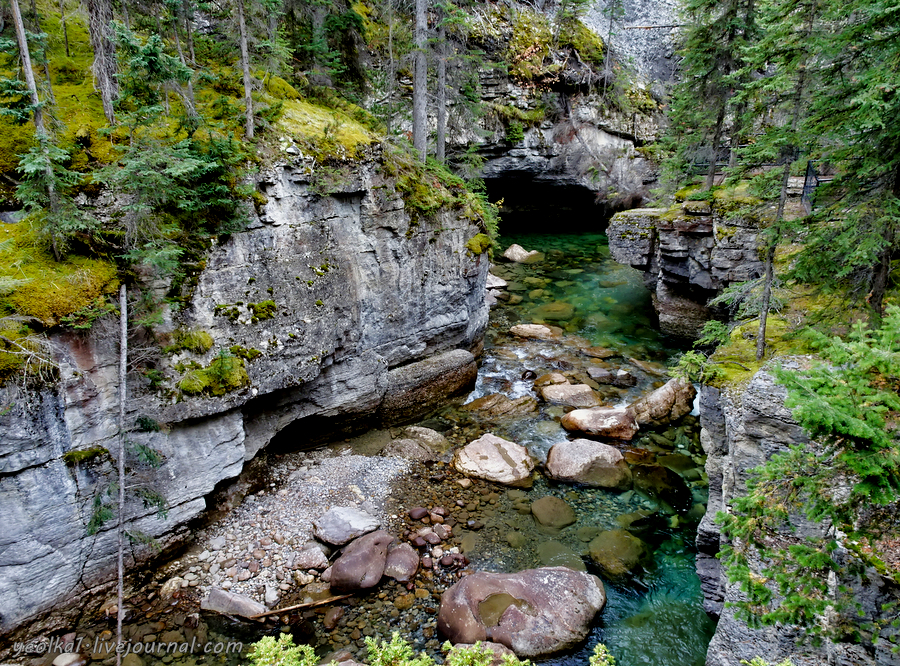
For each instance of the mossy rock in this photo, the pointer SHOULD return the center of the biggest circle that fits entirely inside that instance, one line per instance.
(224, 374)
(279, 88)
(72, 458)
(479, 244)
(197, 341)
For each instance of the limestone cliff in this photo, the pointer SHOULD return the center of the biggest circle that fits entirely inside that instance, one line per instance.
(688, 255)
(341, 308)
(742, 427)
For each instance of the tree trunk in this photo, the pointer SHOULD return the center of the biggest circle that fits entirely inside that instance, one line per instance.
(62, 20)
(100, 27)
(245, 66)
(391, 70)
(120, 529)
(782, 200)
(420, 83)
(188, 17)
(42, 136)
(188, 96)
(45, 63)
(717, 137)
(441, 140)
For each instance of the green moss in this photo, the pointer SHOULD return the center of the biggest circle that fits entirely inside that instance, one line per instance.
(479, 244)
(511, 114)
(324, 133)
(224, 374)
(682, 194)
(72, 458)
(737, 358)
(529, 45)
(281, 89)
(244, 353)
(197, 341)
(53, 289)
(262, 310)
(736, 202)
(585, 41)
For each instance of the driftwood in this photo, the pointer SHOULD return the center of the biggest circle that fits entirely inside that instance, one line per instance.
(308, 604)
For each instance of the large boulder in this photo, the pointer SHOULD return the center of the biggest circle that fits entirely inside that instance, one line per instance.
(667, 403)
(535, 612)
(428, 437)
(496, 459)
(362, 563)
(612, 422)
(342, 524)
(588, 462)
(617, 552)
(571, 395)
(231, 603)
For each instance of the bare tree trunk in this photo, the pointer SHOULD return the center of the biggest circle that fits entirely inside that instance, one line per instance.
(245, 66)
(43, 138)
(44, 61)
(62, 20)
(188, 96)
(100, 27)
(717, 137)
(120, 529)
(420, 82)
(441, 139)
(188, 11)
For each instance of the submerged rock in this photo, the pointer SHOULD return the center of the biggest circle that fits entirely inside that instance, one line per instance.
(497, 404)
(556, 311)
(535, 612)
(588, 462)
(613, 422)
(617, 552)
(496, 459)
(666, 404)
(553, 512)
(663, 484)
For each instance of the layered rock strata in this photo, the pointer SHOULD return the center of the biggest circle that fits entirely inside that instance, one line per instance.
(343, 310)
(688, 254)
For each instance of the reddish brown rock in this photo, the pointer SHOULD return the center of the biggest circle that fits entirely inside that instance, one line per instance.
(535, 612)
(362, 563)
(402, 562)
(572, 395)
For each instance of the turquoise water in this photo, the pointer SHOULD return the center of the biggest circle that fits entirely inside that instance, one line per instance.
(655, 616)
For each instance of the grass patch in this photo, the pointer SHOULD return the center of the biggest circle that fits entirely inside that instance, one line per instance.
(325, 134)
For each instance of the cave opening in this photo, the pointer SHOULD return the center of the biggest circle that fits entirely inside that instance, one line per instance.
(535, 206)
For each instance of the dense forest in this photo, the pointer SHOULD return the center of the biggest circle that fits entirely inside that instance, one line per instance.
(130, 130)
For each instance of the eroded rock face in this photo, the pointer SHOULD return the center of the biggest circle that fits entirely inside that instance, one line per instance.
(667, 403)
(688, 254)
(588, 462)
(496, 459)
(362, 563)
(351, 304)
(535, 612)
(612, 422)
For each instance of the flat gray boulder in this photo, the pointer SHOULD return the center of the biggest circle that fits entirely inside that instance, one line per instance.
(342, 524)
(536, 331)
(591, 463)
(535, 612)
(231, 603)
(496, 459)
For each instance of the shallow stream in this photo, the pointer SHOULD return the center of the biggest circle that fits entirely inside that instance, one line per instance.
(653, 617)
